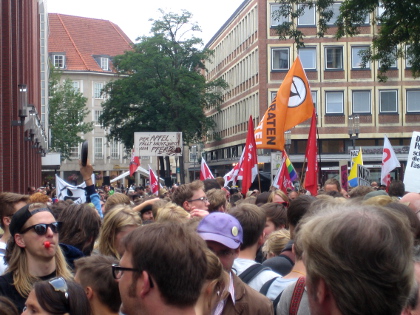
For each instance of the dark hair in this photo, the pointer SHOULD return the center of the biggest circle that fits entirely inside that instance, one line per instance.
(252, 220)
(7, 307)
(186, 191)
(95, 272)
(333, 181)
(7, 204)
(211, 184)
(262, 198)
(334, 194)
(80, 227)
(297, 208)
(174, 258)
(55, 302)
(412, 217)
(396, 188)
(276, 213)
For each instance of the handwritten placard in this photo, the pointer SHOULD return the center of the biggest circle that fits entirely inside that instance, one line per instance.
(158, 143)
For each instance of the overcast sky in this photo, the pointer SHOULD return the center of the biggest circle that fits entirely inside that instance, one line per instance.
(132, 16)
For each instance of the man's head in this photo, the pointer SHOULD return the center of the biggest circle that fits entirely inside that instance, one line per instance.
(9, 204)
(223, 235)
(95, 275)
(146, 213)
(332, 185)
(396, 188)
(252, 219)
(169, 264)
(217, 200)
(347, 250)
(276, 217)
(191, 196)
(412, 200)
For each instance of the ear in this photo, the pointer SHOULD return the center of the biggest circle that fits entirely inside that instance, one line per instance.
(19, 240)
(322, 292)
(143, 284)
(89, 293)
(261, 239)
(186, 205)
(6, 221)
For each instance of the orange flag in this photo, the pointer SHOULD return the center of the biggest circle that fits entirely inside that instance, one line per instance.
(292, 105)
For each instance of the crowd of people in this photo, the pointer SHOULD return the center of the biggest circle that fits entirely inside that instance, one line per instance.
(202, 248)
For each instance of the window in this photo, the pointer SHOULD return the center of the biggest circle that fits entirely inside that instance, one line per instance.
(388, 101)
(356, 57)
(98, 114)
(380, 10)
(59, 61)
(273, 95)
(413, 104)
(115, 149)
(105, 63)
(393, 56)
(99, 148)
(334, 101)
(276, 18)
(97, 89)
(307, 17)
(314, 96)
(280, 59)
(335, 7)
(74, 152)
(408, 58)
(308, 57)
(361, 102)
(76, 86)
(334, 58)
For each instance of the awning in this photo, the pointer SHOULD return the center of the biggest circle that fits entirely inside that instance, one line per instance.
(140, 169)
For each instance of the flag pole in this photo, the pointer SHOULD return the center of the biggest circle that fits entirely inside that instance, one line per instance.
(259, 181)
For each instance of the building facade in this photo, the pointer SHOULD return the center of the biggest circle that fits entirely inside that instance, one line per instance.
(83, 48)
(23, 139)
(252, 59)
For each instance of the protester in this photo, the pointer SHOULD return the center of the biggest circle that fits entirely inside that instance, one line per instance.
(332, 184)
(396, 189)
(7, 307)
(57, 296)
(276, 218)
(278, 196)
(223, 235)
(172, 213)
(116, 199)
(161, 271)
(275, 243)
(9, 204)
(217, 200)
(192, 198)
(95, 276)
(32, 253)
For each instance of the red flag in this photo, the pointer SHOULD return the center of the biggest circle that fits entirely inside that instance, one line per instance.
(134, 163)
(311, 177)
(233, 175)
(205, 172)
(292, 105)
(282, 180)
(154, 185)
(249, 165)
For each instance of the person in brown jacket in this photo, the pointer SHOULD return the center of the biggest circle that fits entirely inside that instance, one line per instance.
(223, 235)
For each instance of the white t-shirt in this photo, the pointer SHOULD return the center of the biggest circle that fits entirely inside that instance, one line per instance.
(241, 264)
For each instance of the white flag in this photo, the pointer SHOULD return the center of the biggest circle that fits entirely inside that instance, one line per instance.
(389, 162)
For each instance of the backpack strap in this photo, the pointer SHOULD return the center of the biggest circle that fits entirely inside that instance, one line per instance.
(248, 274)
(297, 296)
(266, 286)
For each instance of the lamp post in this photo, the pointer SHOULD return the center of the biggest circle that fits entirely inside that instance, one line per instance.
(353, 127)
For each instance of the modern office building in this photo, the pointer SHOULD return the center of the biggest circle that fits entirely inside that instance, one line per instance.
(250, 56)
(23, 138)
(83, 48)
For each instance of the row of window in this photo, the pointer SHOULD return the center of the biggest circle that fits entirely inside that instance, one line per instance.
(99, 149)
(308, 17)
(280, 58)
(361, 100)
(97, 89)
(59, 61)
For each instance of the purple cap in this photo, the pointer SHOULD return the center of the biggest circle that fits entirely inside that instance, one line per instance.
(221, 228)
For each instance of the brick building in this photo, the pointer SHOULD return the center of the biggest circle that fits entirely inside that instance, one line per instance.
(252, 59)
(23, 140)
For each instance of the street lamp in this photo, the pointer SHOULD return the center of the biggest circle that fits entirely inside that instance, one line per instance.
(353, 125)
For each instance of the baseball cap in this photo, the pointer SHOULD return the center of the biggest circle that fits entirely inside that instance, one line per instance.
(21, 216)
(221, 228)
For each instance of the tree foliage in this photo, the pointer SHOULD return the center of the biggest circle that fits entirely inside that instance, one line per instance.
(161, 86)
(398, 27)
(67, 111)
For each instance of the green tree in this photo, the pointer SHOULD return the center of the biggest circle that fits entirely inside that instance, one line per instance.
(398, 31)
(161, 86)
(67, 111)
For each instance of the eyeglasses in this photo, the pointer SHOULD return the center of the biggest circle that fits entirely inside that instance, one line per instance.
(118, 271)
(199, 199)
(42, 228)
(59, 285)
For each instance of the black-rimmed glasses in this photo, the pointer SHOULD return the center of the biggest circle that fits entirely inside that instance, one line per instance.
(118, 271)
(42, 228)
(59, 285)
(199, 199)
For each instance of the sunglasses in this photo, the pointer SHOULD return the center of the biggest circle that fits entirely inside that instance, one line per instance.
(59, 285)
(284, 203)
(42, 228)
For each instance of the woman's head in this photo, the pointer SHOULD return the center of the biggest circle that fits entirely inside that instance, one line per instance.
(119, 221)
(57, 296)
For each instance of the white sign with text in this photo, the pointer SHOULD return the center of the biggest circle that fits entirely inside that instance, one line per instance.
(412, 171)
(158, 143)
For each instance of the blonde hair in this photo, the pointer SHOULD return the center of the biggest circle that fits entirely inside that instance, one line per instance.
(277, 192)
(172, 212)
(276, 242)
(18, 263)
(117, 218)
(116, 199)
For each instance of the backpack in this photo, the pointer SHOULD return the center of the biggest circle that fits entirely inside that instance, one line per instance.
(251, 272)
(264, 290)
